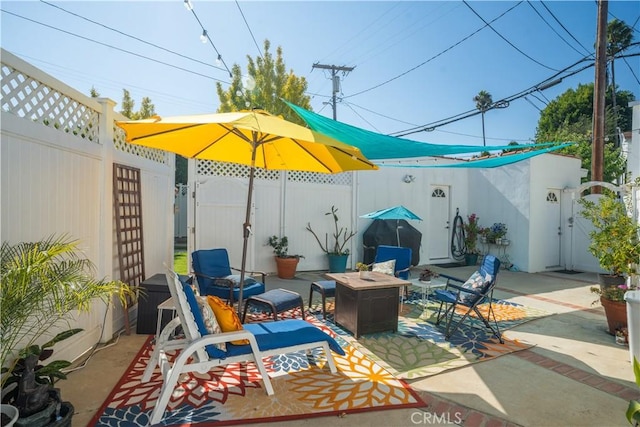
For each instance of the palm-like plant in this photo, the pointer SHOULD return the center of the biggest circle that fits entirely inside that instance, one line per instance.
(483, 102)
(40, 284)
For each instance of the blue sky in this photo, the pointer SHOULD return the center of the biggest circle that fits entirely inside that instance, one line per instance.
(416, 62)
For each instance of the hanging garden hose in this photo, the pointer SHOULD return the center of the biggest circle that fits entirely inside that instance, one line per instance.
(457, 237)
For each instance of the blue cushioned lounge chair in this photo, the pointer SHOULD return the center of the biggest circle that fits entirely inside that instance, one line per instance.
(214, 276)
(198, 354)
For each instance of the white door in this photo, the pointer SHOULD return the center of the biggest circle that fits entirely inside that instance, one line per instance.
(220, 214)
(552, 230)
(581, 258)
(439, 222)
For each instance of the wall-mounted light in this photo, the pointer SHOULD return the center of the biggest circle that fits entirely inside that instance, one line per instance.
(408, 179)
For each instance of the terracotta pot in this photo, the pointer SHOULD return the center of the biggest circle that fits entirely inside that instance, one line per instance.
(616, 313)
(287, 267)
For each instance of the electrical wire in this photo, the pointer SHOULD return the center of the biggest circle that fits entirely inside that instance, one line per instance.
(474, 112)
(359, 115)
(563, 27)
(94, 349)
(505, 39)
(205, 34)
(433, 57)
(249, 28)
(554, 30)
(113, 47)
(130, 36)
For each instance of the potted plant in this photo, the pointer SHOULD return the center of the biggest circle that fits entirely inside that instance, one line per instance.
(615, 243)
(41, 284)
(336, 251)
(29, 386)
(496, 232)
(471, 233)
(427, 274)
(286, 264)
(363, 268)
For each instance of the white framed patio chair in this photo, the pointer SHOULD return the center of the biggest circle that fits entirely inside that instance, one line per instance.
(198, 353)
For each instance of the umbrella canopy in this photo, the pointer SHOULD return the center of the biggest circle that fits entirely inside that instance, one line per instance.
(397, 213)
(254, 138)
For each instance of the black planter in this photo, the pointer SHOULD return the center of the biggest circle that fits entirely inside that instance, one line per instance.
(470, 259)
(48, 417)
(607, 280)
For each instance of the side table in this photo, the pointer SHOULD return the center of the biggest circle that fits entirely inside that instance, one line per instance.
(426, 291)
(165, 305)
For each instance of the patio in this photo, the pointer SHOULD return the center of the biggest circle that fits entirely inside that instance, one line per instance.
(574, 375)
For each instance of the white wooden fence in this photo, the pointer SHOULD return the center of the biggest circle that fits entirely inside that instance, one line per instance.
(57, 151)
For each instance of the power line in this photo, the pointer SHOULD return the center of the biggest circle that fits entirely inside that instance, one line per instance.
(130, 36)
(365, 120)
(249, 28)
(554, 30)
(433, 57)
(564, 28)
(545, 84)
(335, 79)
(505, 39)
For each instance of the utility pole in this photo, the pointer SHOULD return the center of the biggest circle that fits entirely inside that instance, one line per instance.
(335, 80)
(597, 148)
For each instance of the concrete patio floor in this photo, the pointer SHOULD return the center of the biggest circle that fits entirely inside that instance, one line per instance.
(575, 375)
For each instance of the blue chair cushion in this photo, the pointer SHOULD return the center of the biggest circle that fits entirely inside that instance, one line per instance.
(284, 333)
(328, 286)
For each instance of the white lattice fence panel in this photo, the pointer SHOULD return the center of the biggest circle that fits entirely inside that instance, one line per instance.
(120, 143)
(234, 170)
(27, 97)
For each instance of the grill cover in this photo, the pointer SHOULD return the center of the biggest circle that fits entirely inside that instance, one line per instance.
(383, 232)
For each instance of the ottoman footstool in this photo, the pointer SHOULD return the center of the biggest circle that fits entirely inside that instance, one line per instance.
(327, 289)
(276, 300)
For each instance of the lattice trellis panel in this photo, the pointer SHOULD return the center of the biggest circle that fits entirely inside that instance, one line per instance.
(120, 143)
(344, 178)
(234, 170)
(127, 197)
(27, 97)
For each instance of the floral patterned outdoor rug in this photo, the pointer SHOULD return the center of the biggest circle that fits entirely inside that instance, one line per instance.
(234, 394)
(419, 348)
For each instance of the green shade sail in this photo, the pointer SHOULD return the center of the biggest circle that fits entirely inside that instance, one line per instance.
(376, 146)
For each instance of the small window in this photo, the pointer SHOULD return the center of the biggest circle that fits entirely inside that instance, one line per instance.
(438, 192)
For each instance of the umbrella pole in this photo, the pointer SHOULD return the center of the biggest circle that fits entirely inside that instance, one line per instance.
(398, 231)
(246, 229)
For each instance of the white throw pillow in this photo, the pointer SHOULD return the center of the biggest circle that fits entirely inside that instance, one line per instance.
(210, 320)
(386, 267)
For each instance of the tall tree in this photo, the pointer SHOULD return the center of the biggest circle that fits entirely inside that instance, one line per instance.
(568, 118)
(265, 82)
(619, 38)
(127, 105)
(483, 102)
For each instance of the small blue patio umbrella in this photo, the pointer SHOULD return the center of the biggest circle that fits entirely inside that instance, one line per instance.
(396, 212)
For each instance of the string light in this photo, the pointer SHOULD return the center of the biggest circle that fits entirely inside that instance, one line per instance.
(205, 36)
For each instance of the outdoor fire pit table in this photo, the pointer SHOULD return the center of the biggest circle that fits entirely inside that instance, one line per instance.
(364, 306)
